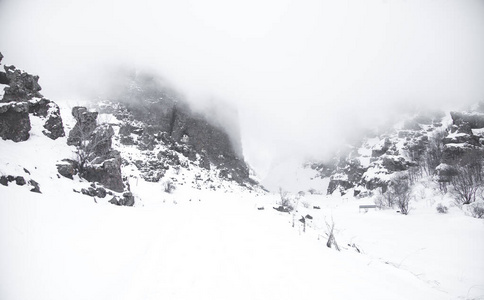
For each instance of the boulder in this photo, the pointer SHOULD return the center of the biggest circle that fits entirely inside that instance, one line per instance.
(114, 201)
(127, 200)
(14, 121)
(19, 180)
(101, 192)
(35, 186)
(67, 168)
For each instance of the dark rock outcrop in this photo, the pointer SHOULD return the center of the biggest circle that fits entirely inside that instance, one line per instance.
(21, 98)
(22, 85)
(19, 180)
(49, 110)
(35, 186)
(106, 171)
(475, 120)
(14, 121)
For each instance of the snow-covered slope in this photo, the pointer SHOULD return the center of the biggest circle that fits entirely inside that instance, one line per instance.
(205, 244)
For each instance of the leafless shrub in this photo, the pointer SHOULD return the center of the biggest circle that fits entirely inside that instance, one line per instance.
(401, 190)
(469, 178)
(285, 200)
(168, 186)
(441, 209)
(384, 200)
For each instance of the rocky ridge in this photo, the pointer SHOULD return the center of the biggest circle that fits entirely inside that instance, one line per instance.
(429, 143)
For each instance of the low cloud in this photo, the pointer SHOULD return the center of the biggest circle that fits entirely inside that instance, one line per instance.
(306, 76)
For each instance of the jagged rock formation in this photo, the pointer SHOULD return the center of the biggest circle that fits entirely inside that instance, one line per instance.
(97, 161)
(22, 86)
(22, 97)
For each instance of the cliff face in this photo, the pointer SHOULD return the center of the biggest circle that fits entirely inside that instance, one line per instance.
(152, 113)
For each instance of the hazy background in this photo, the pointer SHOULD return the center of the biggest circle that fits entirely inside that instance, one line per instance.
(305, 75)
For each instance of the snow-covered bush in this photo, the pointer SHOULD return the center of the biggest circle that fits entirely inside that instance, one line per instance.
(286, 200)
(476, 209)
(441, 209)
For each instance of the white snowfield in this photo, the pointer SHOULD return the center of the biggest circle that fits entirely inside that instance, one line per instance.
(200, 244)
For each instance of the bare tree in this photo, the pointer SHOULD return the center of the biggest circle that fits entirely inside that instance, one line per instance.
(399, 193)
(469, 178)
(433, 156)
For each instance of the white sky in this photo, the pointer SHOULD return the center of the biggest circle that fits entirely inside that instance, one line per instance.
(305, 75)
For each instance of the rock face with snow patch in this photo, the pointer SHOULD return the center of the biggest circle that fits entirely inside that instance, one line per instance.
(423, 144)
(50, 112)
(98, 162)
(21, 97)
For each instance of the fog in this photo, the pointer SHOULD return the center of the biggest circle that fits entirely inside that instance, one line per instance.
(305, 76)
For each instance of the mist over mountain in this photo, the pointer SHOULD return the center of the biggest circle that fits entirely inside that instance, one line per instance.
(305, 77)
(241, 149)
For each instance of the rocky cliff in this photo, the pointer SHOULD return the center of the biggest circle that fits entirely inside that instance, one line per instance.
(151, 113)
(433, 144)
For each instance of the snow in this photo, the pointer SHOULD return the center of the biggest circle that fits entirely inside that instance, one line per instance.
(216, 244)
(478, 131)
(2, 92)
(217, 248)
